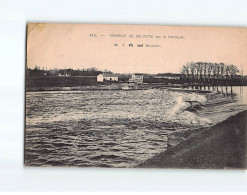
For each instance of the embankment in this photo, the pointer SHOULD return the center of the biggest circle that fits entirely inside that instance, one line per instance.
(222, 146)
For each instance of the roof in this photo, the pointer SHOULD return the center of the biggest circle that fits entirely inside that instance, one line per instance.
(105, 74)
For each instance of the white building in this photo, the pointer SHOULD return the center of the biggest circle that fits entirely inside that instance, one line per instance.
(107, 77)
(136, 78)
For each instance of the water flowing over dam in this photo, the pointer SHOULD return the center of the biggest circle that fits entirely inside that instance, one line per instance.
(110, 128)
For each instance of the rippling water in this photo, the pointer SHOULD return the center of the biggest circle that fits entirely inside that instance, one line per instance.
(97, 128)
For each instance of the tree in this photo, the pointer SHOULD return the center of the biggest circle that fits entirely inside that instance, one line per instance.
(192, 68)
(233, 70)
(205, 69)
(185, 70)
(222, 68)
(199, 67)
(210, 67)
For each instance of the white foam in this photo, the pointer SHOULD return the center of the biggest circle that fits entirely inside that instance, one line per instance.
(179, 114)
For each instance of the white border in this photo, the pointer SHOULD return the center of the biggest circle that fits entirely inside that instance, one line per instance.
(13, 18)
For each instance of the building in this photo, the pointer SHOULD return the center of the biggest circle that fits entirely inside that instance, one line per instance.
(169, 76)
(64, 75)
(107, 77)
(136, 78)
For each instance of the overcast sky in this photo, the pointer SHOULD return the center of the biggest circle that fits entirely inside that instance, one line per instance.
(71, 46)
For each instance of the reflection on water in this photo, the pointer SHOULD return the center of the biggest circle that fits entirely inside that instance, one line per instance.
(239, 91)
(99, 128)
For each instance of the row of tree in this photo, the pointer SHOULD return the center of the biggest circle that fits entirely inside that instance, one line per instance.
(208, 70)
(207, 73)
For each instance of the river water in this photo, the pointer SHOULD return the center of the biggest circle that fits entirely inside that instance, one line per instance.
(104, 128)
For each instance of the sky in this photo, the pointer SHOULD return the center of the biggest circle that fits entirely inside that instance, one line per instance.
(115, 47)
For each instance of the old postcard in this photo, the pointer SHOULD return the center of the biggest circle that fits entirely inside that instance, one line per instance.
(135, 96)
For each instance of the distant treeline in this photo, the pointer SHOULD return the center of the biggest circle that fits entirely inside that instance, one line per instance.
(199, 70)
(207, 73)
(37, 72)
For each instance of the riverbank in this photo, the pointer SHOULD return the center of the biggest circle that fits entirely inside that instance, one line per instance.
(222, 146)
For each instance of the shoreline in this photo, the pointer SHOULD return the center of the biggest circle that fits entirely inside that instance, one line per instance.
(121, 85)
(221, 146)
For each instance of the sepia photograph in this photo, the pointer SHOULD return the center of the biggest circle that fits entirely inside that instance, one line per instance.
(135, 96)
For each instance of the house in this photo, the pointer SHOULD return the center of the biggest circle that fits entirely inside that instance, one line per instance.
(136, 78)
(107, 77)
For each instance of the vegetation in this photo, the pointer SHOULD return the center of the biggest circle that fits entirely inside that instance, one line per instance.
(207, 73)
(203, 70)
(37, 72)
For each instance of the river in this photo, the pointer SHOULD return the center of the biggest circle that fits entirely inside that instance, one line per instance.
(105, 128)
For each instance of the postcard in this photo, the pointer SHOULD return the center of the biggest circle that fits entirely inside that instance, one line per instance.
(135, 96)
